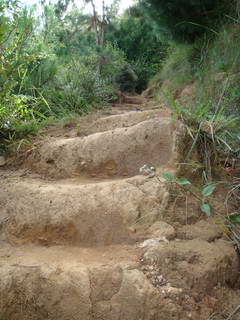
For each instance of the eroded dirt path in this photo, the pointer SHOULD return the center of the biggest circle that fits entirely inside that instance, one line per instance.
(85, 237)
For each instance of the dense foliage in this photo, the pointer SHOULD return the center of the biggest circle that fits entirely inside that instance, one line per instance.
(139, 38)
(186, 20)
(51, 66)
(17, 59)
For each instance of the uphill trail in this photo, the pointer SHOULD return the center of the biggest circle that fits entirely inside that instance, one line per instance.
(85, 236)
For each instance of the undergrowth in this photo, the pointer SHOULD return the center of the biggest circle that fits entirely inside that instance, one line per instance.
(211, 113)
(215, 137)
(211, 65)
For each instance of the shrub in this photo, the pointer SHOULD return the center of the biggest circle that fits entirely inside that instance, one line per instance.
(77, 88)
(15, 36)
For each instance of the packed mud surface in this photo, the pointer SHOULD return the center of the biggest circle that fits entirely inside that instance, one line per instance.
(85, 236)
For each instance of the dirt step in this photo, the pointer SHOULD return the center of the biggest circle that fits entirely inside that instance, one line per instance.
(124, 120)
(40, 285)
(196, 263)
(149, 106)
(103, 120)
(68, 256)
(132, 99)
(129, 106)
(79, 212)
(179, 280)
(120, 152)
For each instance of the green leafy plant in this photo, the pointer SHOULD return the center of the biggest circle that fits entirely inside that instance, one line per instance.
(185, 185)
(17, 106)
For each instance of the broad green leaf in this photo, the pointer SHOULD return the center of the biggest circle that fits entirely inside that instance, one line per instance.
(168, 176)
(207, 191)
(206, 209)
(183, 181)
(234, 219)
